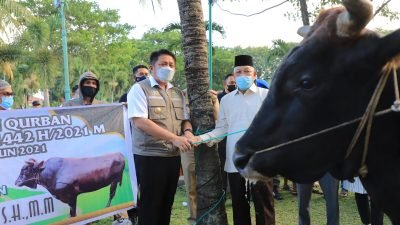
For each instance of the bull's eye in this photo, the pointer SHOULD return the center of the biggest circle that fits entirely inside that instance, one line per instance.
(307, 84)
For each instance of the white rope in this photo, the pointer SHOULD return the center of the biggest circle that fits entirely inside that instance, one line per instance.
(396, 104)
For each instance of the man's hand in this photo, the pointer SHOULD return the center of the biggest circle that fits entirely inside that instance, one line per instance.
(196, 140)
(183, 143)
(213, 93)
(189, 135)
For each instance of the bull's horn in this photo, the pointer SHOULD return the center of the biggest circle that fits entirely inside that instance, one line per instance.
(303, 31)
(356, 16)
(30, 161)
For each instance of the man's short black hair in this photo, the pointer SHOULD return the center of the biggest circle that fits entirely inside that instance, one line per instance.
(155, 55)
(135, 69)
(227, 76)
(74, 88)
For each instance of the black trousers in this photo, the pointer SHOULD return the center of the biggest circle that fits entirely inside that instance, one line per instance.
(157, 179)
(222, 158)
(262, 197)
(373, 216)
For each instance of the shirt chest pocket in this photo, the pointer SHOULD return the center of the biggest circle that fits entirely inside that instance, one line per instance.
(179, 109)
(157, 109)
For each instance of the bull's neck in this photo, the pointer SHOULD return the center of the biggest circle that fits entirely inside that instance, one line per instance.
(43, 181)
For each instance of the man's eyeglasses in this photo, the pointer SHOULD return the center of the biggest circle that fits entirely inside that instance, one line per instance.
(8, 94)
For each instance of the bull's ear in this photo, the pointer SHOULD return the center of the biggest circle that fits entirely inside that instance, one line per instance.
(40, 166)
(303, 31)
(389, 47)
(30, 162)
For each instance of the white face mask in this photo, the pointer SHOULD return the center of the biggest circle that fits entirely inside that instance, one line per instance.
(165, 73)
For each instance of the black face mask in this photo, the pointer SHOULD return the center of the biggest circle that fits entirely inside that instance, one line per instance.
(231, 87)
(138, 79)
(88, 91)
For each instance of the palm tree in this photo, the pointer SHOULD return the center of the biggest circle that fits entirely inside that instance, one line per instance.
(12, 7)
(11, 15)
(110, 77)
(30, 86)
(210, 206)
(36, 40)
(45, 64)
(215, 27)
(8, 56)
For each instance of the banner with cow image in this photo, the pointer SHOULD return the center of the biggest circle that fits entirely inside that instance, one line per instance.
(67, 165)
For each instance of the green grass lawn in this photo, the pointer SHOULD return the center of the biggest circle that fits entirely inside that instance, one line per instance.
(286, 210)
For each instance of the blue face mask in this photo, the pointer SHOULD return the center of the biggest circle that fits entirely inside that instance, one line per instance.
(244, 82)
(7, 102)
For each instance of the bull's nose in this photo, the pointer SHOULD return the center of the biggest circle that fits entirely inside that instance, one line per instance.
(241, 159)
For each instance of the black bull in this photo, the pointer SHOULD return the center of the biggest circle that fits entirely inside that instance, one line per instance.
(66, 178)
(325, 81)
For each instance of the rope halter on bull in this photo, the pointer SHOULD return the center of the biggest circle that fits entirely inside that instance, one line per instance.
(35, 178)
(365, 120)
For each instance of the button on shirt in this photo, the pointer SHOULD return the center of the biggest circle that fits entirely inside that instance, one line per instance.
(237, 111)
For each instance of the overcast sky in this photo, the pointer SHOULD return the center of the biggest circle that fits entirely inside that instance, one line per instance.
(258, 30)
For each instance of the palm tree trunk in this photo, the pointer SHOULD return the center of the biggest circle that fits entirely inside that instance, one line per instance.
(46, 96)
(26, 98)
(46, 100)
(210, 205)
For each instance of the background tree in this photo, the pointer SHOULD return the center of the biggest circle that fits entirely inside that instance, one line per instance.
(12, 13)
(95, 38)
(40, 53)
(215, 27)
(8, 57)
(273, 58)
(309, 10)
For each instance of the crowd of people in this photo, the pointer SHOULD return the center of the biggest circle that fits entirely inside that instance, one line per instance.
(163, 141)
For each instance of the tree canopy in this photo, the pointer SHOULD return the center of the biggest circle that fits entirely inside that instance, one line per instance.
(99, 42)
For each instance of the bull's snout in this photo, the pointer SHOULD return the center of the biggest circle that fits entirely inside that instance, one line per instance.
(241, 158)
(18, 183)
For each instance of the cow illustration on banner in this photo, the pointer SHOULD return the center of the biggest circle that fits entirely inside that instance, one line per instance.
(65, 165)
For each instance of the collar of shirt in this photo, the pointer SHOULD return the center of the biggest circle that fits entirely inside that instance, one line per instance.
(153, 83)
(253, 88)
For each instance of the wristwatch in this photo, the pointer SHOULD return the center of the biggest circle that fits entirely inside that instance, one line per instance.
(188, 129)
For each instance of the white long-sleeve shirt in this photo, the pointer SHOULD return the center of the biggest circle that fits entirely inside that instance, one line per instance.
(236, 112)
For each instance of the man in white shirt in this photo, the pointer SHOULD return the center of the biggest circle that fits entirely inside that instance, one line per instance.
(237, 110)
(160, 131)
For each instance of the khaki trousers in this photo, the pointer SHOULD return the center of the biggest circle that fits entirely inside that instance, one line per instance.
(188, 167)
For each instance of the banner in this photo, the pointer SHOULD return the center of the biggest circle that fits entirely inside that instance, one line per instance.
(67, 165)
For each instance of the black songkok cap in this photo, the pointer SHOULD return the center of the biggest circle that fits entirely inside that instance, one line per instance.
(243, 60)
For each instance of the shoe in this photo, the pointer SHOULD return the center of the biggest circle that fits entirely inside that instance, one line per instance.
(278, 196)
(344, 193)
(286, 187)
(317, 189)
